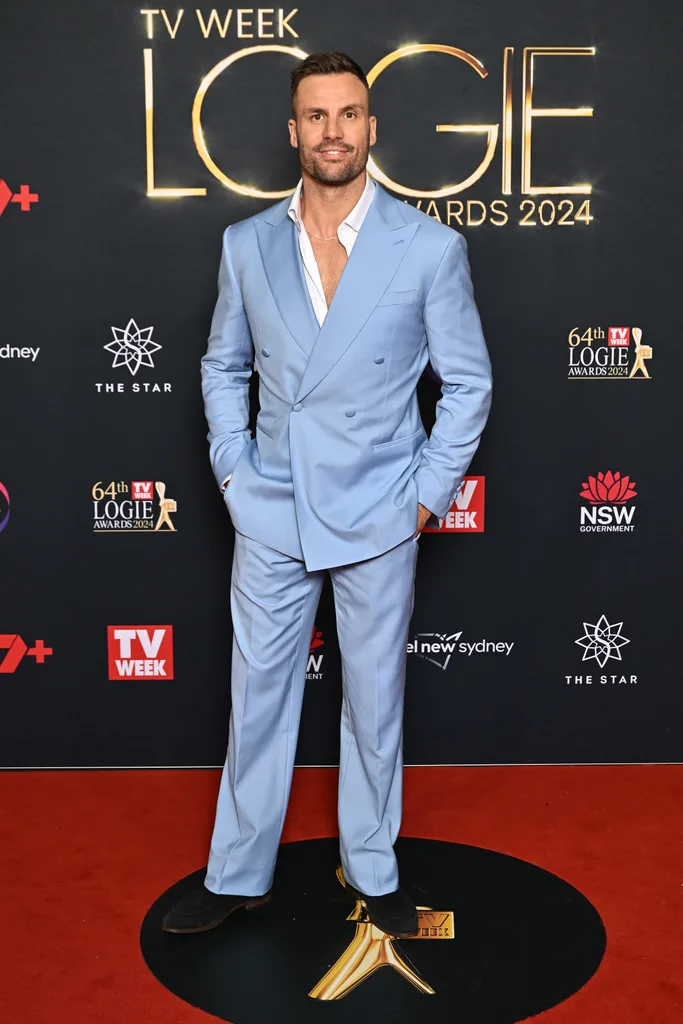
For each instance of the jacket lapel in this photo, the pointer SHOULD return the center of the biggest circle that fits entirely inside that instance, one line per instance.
(382, 243)
(279, 246)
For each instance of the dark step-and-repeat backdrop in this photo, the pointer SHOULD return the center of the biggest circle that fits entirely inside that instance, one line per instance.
(546, 624)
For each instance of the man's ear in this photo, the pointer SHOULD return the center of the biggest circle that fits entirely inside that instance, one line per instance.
(293, 138)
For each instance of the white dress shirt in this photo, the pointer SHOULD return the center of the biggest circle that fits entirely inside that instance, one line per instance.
(347, 233)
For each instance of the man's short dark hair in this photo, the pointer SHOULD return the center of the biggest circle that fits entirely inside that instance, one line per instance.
(329, 63)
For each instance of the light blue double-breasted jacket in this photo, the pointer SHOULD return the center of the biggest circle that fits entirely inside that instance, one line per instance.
(340, 458)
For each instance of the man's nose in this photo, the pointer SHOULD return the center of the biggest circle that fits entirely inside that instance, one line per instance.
(334, 130)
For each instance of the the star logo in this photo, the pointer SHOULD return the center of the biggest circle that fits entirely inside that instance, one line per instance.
(602, 641)
(132, 346)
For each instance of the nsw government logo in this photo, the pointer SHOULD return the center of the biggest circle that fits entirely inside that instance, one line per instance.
(137, 507)
(467, 513)
(614, 353)
(140, 652)
(602, 642)
(608, 511)
(132, 348)
(314, 666)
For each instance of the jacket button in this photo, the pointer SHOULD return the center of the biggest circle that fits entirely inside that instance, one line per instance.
(298, 407)
(379, 359)
(265, 351)
(350, 412)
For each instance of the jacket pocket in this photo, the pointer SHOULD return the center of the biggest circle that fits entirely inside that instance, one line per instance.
(399, 440)
(399, 298)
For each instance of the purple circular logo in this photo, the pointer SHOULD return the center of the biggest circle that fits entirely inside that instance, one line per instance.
(4, 518)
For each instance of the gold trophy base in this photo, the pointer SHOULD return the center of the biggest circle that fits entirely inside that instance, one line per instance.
(372, 948)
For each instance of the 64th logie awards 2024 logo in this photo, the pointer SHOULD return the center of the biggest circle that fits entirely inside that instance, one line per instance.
(617, 353)
(141, 506)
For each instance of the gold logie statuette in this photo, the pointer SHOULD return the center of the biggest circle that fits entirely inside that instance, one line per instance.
(166, 507)
(371, 949)
(643, 352)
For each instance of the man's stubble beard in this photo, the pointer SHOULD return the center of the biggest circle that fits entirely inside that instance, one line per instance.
(334, 174)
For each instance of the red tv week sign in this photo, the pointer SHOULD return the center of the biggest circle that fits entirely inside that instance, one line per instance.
(142, 490)
(140, 652)
(467, 513)
(618, 337)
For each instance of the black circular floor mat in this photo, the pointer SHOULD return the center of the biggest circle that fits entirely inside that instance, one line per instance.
(524, 941)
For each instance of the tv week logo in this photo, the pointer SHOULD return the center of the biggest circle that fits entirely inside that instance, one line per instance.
(140, 652)
(618, 337)
(467, 513)
(142, 490)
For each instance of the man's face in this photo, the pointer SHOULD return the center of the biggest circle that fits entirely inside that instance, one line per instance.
(333, 130)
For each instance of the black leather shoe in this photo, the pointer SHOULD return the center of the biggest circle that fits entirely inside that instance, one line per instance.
(202, 910)
(394, 913)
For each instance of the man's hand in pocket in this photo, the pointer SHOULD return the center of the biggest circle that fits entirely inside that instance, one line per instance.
(423, 515)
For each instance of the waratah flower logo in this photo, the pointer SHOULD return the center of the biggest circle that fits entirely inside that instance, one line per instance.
(316, 639)
(609, 489)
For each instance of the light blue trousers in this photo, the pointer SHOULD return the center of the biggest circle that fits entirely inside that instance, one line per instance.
(274, 600)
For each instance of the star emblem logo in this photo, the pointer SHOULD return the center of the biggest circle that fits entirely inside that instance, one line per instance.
(132, 346)
(602, 641)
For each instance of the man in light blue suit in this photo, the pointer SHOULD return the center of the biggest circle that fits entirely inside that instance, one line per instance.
(338, 297)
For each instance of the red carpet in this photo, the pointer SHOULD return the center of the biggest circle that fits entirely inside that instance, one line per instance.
(84, 854)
